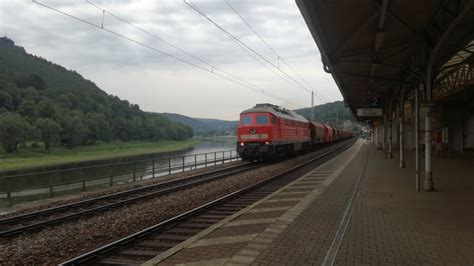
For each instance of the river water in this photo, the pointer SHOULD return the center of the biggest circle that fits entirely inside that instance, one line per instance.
(206, 147)
(52, 183)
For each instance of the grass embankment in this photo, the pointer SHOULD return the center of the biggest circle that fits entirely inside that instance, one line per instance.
(34, 157)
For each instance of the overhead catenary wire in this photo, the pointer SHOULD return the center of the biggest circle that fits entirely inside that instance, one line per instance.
(280, 58)
(212, 67)
(258, 57)
(245, 49)
(102, 27)
(243, 45)
(147, 32)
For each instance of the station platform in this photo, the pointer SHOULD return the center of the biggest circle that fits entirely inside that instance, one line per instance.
(358, 208)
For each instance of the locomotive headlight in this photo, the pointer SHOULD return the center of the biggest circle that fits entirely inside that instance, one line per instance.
(241, 144)
(267, 143)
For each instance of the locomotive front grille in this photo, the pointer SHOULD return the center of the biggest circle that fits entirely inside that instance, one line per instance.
(254, 136)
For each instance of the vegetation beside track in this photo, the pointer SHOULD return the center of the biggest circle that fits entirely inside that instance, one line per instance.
(34, 157)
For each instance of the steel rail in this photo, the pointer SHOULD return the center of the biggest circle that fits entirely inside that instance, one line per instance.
(94, 254)
(169, 186)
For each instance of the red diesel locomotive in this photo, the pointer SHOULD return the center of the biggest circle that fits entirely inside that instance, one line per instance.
(267, 130)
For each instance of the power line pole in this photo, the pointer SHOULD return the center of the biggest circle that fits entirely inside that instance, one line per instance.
(312, 105)
(337, 119)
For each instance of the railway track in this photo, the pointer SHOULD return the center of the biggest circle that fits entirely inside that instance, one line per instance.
(150, 242)
(15, 225)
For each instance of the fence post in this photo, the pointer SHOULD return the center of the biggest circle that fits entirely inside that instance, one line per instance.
(153, 164)
(195, 161)
(215, 158)
(83, 182)
(230, 156)
(51, 192)
(9, 197)
(206, 160)
(134, 172)
(183, 163)
(223, 157)
(169, 166)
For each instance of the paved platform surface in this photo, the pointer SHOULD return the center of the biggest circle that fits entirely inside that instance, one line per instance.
(358, 208)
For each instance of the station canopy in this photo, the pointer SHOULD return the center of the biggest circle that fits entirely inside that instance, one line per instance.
(375, 48)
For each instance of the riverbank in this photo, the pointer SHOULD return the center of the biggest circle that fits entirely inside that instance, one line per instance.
(38, 157)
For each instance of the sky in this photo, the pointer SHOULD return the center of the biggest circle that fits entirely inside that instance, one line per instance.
(144, 70)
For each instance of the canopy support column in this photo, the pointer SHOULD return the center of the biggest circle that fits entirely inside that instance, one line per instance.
(417, 140)
(390, 132)
(428, 184)
(400, 118)
(385, 128)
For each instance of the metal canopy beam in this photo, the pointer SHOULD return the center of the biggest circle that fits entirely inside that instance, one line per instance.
(401, 33)
(403, 81)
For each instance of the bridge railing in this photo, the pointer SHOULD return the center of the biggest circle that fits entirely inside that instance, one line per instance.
(47, 184)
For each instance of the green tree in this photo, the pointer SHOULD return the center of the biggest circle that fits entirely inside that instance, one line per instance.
(73, 131)
(49, 131)
(154, 129)
(13, 130)
(64, 102)
(6, 100)
(97, 128)
(119, 128)
(27, 109)
(135, 128)
(172, 133)
(32, 80)
(29, 93)
(46, 108)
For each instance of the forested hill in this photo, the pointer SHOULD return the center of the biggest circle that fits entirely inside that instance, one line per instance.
(328, 112)
(42, 101)
(205, 126)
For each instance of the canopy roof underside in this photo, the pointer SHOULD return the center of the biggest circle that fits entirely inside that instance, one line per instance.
(374, 48)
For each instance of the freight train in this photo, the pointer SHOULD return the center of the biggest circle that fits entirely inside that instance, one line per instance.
(268, 131)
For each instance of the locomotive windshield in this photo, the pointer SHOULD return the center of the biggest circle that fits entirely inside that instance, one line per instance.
(262, 119)
(246, 120)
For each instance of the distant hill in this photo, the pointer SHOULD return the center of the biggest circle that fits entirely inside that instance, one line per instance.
(40, 100)
(220, 125)
(328, 113)
(205, 126)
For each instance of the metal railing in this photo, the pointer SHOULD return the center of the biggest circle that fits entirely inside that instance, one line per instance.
(47, 184)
